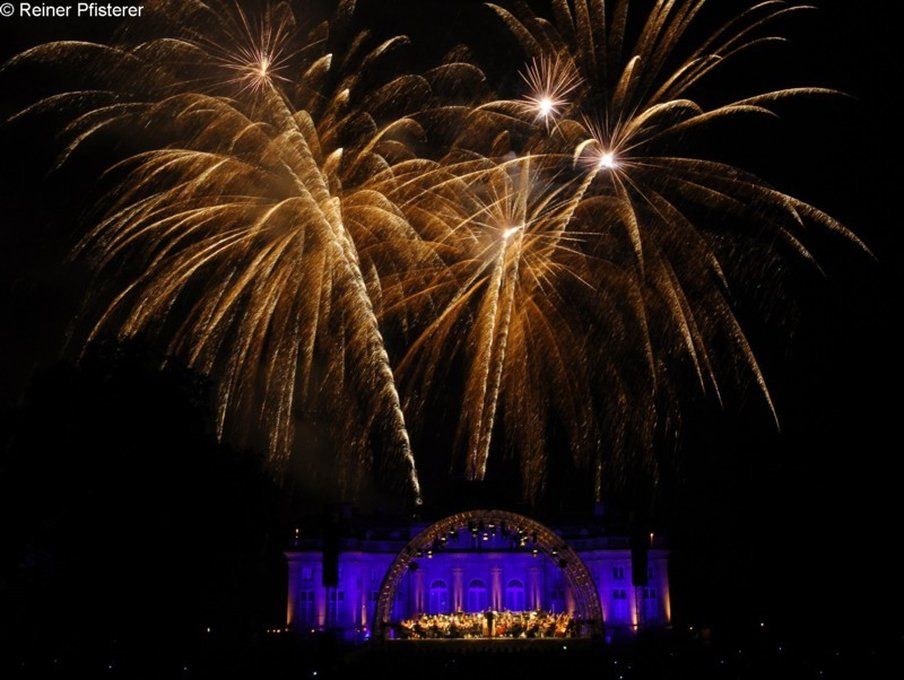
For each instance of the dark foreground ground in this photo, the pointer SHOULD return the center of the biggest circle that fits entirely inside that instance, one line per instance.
(696, 655)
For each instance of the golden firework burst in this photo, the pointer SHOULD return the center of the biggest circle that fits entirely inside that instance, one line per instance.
(290, 198)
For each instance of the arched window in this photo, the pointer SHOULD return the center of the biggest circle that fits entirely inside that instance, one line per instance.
(477, 596)
(514, 596)
(439, 597)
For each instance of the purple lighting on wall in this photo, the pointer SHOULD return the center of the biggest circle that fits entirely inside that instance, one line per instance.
(483, 567)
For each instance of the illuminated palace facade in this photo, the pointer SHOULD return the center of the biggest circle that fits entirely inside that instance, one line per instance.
(472, 570)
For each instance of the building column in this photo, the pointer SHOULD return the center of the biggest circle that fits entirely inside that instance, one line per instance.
(533, 593)
(361, 604)
(664, 587)
(418, 591)
(660, 581)
(496, 588)
(292, 599)
(634, 604)
(457, 589)
(320, 599)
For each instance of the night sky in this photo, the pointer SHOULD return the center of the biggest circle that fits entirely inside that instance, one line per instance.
(799, 527)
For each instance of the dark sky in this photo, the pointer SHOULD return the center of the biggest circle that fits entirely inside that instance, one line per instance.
(803, 523)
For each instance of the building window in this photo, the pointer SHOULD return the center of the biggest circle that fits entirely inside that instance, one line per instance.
(477, 596)
(514, 596)
(618, 572)
(307, 573)
(306, 604)
(619, 594)
(649, 593)
(439, 597)
(335, 602)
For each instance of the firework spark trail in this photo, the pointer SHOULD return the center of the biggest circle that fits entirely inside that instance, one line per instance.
(346, 253)
(497, 338)
(385, 380)
(493, 336)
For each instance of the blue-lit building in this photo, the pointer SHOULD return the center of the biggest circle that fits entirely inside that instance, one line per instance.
(472, 571)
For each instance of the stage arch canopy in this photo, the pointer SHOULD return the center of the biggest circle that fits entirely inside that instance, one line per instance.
(526, 532)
